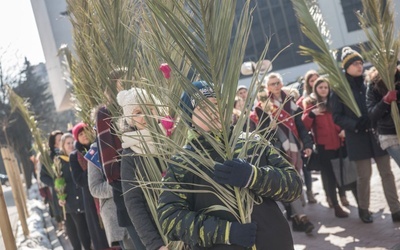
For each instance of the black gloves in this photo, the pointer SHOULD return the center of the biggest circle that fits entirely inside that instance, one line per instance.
(243, 234)
(235, 172)
(363, 123)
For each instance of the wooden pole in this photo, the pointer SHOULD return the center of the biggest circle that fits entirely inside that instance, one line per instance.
(14, 189)
(5, 225)
(17, 174)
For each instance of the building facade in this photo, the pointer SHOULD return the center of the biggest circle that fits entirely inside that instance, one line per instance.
(276, 20)
(55, 30)
(272, 19)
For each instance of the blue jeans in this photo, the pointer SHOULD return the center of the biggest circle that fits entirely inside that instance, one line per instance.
(394, 152)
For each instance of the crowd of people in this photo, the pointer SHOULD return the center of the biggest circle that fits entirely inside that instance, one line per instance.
(103, 211)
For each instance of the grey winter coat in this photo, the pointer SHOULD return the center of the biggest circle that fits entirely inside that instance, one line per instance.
(100, 189)
(136, 203)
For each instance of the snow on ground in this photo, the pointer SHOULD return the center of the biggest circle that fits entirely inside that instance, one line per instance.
(38, 238)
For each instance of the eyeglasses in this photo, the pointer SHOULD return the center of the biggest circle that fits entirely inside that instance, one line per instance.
(275, 84)
(357, 63)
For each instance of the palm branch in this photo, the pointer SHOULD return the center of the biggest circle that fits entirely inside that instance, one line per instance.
(22, 106)
(378, 23)
(315, 28)
(102, 43)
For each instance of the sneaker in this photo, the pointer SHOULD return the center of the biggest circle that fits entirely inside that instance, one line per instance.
(339, 212)
(310, 197)
(396, 217)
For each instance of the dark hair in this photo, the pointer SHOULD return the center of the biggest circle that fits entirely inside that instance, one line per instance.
(320, 103)
(307, 78)
(52, 140)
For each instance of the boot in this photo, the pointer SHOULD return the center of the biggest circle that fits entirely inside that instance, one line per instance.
(302, 224)
(303, 199)
(310, 197)
(365, 215)
(344, 201)
(339, 212)
(329, 201)
(396, 217)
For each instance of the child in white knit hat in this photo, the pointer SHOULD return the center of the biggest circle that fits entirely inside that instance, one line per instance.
(138, 107)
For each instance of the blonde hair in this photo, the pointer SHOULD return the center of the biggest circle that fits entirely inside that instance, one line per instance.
(64, 138)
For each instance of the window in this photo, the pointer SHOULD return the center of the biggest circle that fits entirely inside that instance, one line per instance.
(275, 19)
(349, 8)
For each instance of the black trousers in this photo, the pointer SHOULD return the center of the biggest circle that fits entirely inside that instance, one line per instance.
(77, 231)
(328, 175)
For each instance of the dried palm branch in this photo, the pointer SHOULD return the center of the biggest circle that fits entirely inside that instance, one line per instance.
(102, 44)
(22, 106)
(315, 28)
(378, 23)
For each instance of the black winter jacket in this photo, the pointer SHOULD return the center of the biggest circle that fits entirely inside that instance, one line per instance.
(136, 203)
(184, 216)
(380, 112)
(74, 201)
(360, 144)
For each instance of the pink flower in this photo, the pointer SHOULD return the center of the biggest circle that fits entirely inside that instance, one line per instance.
(168, 124)
(166, 70)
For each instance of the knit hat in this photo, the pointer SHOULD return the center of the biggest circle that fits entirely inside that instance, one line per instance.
(349, 56)
(241, 87)
(77, 129)
(190, 99)
(133, 98)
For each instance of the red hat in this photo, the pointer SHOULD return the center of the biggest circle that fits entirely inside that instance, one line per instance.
(77, 129)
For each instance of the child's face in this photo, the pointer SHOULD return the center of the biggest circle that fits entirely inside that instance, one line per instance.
(83, 139)
(68, 145)
(323, 89)
(207, 118)
(138, 117)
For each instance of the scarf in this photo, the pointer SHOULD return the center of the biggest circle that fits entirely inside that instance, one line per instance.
(140, 141)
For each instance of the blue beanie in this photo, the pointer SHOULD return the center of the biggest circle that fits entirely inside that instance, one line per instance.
(190, 98)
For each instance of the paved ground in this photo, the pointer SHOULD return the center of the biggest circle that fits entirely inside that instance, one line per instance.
(350, 233)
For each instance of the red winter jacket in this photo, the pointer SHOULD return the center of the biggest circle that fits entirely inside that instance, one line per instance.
(325, 131)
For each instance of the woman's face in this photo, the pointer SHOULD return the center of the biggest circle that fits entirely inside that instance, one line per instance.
(323, 89)
(68, 145)
(206, 117)
(57, 140)
(312, 80)
(83, 139)
(274, 86)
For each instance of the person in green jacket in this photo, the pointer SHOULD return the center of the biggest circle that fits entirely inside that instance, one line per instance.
(183, 209)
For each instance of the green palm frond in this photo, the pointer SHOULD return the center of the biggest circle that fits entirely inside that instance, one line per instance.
(378, 23)
(22, 106)
(315, 28)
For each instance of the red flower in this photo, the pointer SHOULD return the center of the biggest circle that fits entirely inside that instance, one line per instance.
(166, 70)
(168, 124)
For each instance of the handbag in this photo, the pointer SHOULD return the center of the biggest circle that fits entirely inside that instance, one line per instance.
(345, 170)
(313, 162)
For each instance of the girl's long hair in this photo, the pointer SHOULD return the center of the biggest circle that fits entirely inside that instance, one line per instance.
(321, 104)
(307, 78)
